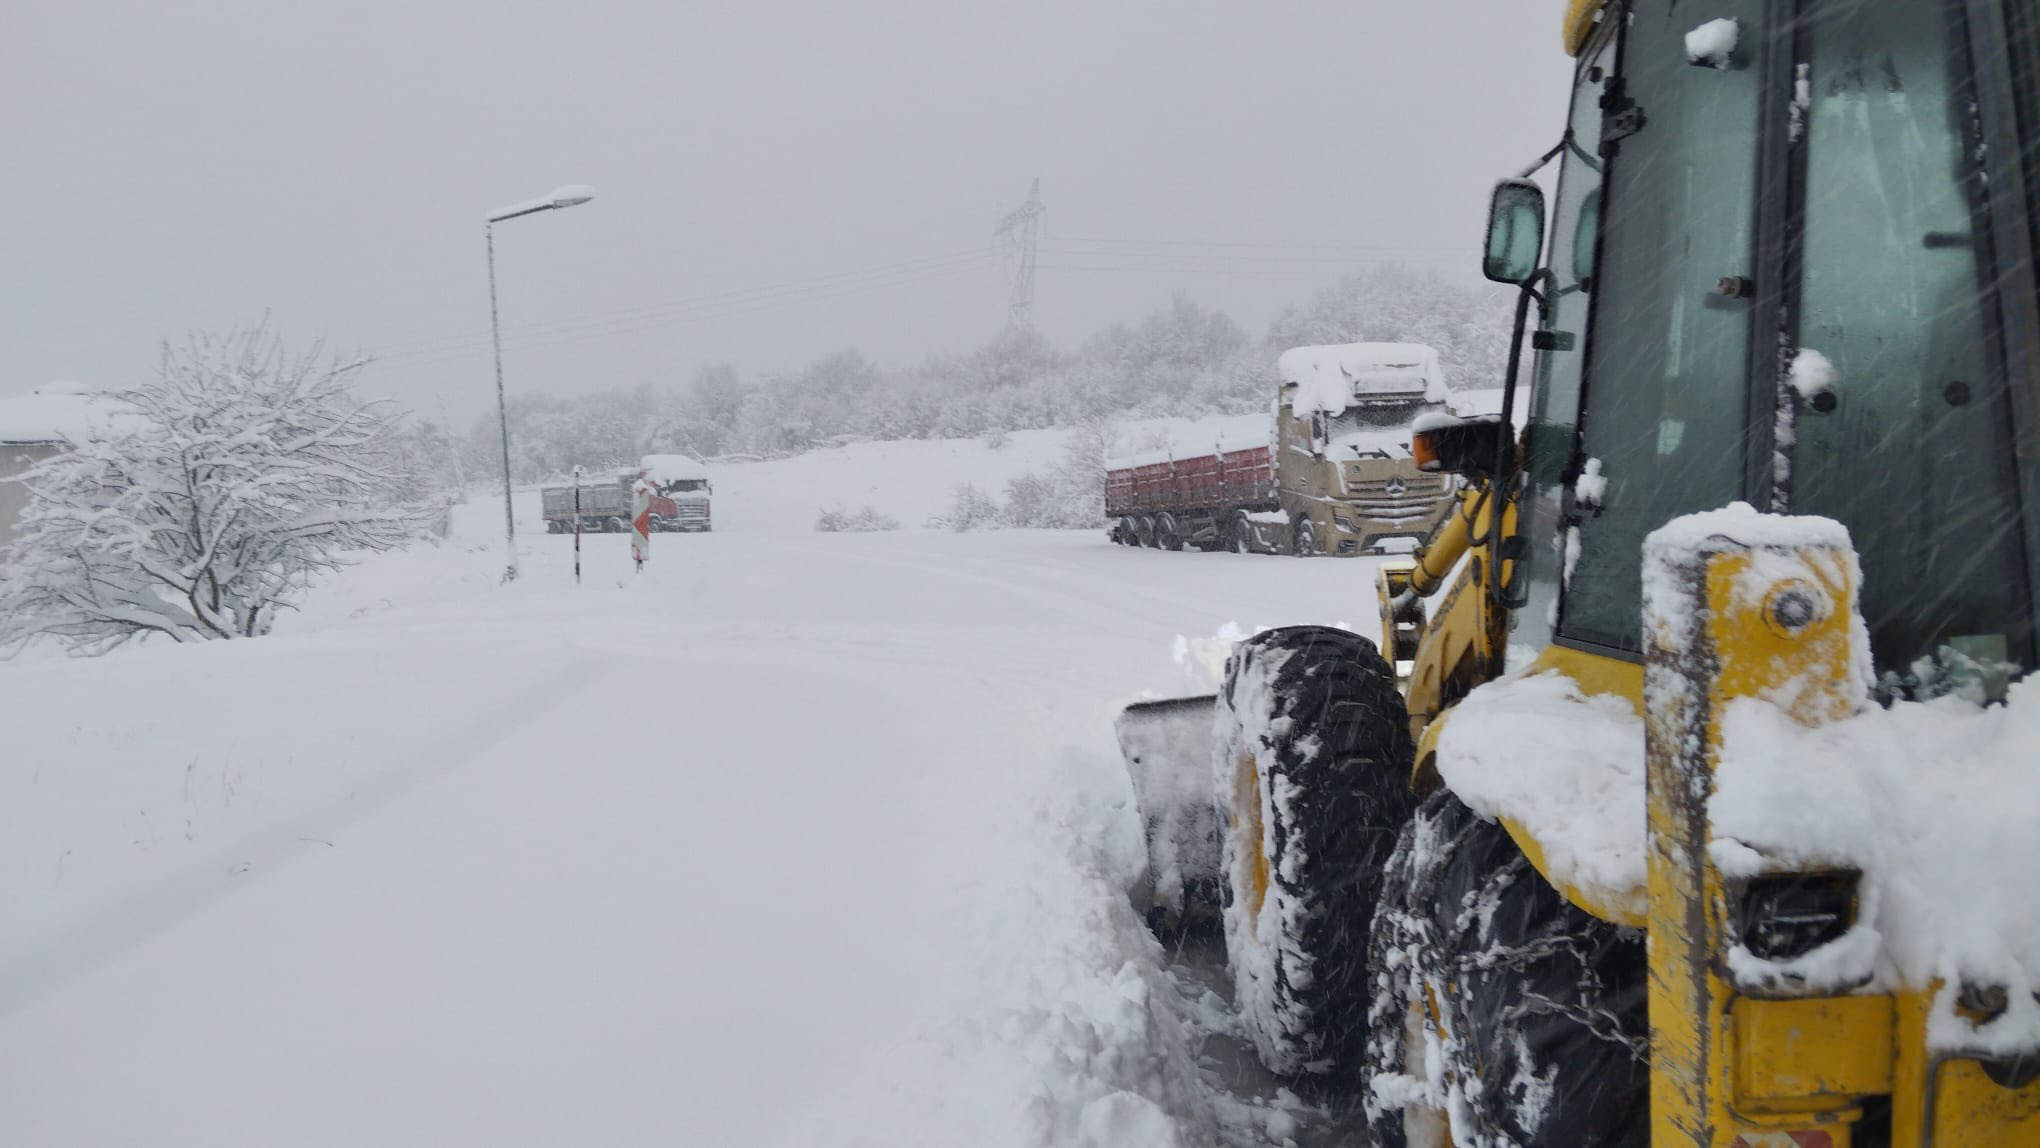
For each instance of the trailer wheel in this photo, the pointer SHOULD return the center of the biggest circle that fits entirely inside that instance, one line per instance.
(1125, 534)
(1303, 538)
(1144, 530)
(1497, 999)
(1168, 535)
(1240, 540)
(1312, 765)
(612, 525)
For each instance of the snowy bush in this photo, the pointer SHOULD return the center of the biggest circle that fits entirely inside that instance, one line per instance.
(969, 509)
(241, 473)
(1068, 496)
(865, 518)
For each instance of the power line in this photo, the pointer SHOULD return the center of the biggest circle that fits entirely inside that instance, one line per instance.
(405, 347)
(731, 309)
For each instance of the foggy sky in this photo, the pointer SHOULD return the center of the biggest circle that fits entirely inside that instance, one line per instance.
(174, 166)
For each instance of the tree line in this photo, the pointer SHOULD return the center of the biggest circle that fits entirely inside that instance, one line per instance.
(1183, 359)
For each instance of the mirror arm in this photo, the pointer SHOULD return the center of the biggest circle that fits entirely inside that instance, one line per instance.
(1564, 142)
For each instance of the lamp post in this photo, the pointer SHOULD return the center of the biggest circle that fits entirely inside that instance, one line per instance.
(571, 195)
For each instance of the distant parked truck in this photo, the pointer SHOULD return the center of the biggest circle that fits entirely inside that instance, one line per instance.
(1333, 475)
(680, 498)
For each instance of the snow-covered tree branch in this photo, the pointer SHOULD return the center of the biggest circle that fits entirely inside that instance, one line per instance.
(218, 490)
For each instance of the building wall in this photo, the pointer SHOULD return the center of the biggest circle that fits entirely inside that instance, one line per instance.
(13, 496)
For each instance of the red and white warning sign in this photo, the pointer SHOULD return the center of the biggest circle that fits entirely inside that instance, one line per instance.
(641, 522)
(1783, 1140)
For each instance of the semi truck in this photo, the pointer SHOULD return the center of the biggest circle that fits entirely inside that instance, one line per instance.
(681, 493)
(1332, 474)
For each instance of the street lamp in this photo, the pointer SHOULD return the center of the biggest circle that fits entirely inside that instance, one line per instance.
(572, 195)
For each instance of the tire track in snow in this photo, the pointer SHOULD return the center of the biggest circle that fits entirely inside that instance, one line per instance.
(133, 920)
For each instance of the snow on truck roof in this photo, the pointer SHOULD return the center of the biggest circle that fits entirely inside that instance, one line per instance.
(671, 468)
(1330, 379)
(53, 413)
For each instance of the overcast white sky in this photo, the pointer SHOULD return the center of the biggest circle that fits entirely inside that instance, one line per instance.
(193, 165)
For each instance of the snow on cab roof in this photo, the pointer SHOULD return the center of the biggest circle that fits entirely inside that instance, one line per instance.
(51, 413)
(671, 468)
(1330, 378)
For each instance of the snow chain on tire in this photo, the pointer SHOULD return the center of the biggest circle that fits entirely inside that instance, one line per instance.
(1311, 764)
(1534, 1009)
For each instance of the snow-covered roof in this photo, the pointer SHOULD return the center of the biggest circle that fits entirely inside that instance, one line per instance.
(51, 413)
(672, 468)
(1331, 378)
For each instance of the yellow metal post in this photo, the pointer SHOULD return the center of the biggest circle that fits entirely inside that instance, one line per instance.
(1741, 606)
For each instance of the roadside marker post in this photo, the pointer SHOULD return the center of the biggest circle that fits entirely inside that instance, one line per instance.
(641, 522)
(577, 526)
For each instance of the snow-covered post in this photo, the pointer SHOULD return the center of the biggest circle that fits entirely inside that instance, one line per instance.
(1741, 608)
(641, 521)
(577, 525)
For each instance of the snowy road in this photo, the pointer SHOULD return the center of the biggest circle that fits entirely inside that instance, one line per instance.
(803, 839)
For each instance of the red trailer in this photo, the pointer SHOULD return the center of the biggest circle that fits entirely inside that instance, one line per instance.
(1199, 499)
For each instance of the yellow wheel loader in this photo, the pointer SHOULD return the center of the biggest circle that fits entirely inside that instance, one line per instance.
(1519, 873)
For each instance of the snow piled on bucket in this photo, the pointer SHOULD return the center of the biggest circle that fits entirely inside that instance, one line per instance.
(1330, 379)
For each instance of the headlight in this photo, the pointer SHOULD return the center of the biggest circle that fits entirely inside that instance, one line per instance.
(1788, 915)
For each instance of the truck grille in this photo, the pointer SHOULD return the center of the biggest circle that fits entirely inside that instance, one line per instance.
(1398, 498)
(690, 512)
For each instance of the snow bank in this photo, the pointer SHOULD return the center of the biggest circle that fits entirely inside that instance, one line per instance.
(795, 839)
(1330, 378)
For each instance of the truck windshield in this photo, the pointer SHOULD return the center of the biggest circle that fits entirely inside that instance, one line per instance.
(1371, 430)
(1381, 414)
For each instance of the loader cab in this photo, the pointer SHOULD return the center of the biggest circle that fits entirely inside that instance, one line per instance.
(1789, 262)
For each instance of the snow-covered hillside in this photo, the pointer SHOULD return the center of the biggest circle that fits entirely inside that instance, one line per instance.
(797, 838)
(914, 480)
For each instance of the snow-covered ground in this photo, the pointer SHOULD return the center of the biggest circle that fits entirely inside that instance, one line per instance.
(797, 838)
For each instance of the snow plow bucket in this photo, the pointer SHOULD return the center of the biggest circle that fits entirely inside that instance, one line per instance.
(1167, 747)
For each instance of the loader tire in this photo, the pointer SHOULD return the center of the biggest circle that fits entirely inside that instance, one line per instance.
(1535, 1009)
(1312, 763)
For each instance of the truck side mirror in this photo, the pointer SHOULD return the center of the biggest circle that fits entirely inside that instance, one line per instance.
(1515, 235)
(1443, 444)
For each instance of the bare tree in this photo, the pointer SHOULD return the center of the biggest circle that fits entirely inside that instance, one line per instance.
(221, 487)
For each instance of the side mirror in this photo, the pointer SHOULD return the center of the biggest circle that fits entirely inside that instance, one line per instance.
(1441, 443)
(1515, 231)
